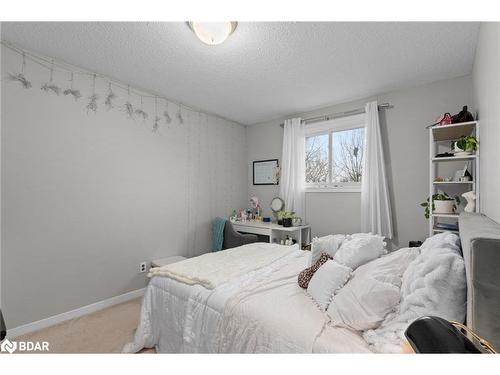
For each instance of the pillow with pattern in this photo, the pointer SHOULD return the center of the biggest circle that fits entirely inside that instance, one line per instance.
(306, 275)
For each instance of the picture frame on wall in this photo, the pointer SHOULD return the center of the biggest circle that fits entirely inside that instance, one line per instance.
(266, 172)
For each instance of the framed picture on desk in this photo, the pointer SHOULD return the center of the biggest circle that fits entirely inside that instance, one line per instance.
(266, 172)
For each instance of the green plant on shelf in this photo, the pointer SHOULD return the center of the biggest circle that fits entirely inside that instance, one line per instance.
(286, 214)
(438, 197)
(466, 143)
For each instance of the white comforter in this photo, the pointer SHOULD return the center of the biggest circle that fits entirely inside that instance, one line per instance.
(181, 318)
(213, 269)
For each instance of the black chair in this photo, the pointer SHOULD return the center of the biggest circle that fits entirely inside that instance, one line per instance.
(233, 238)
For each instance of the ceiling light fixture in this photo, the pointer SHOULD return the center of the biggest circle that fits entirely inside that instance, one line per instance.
(212, 33)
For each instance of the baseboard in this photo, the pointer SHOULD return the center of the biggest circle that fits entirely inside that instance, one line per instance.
(53, 320)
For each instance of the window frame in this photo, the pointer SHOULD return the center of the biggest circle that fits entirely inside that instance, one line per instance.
(329, 127)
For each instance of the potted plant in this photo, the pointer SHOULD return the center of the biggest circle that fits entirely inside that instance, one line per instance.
(441, 203)
(465, 145)
(287, 217)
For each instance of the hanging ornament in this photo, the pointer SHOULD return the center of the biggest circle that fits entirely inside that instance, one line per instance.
(20, 77)
(156, 122)
(110, 97)
(179, 115)
(71, 91)
(50, 86)
(168, 119)
(128, 107)
(140, 112)
(92, 105)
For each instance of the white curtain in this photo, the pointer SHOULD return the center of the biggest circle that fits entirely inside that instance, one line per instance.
(292, 182)
(375, 203)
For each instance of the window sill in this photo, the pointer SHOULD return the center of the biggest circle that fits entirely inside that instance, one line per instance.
(333, 190)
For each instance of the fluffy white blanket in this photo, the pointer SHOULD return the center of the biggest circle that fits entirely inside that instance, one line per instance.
(433, 284)
(213, 269)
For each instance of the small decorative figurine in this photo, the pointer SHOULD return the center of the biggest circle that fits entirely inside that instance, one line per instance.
(470, 197)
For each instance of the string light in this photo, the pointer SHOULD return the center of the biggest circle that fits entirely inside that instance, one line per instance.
(71, 91)
(110, 97)
(128, 107)
(50, 86)
(92, 105)
(141, 112)
(168, 119)
(156, 122)
(20, 77)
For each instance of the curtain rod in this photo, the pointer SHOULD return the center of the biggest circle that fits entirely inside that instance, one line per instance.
(333, 116)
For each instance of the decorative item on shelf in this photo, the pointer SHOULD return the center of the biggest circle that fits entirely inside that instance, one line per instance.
(444, 119)
(243, 215)
(288, 241)
(277, 205)
(445, 155)
(297, 221)
(463, 116)
(234, 217)
(464, 146)
(463, 175)
(446, 226)
(266, 219)
(255, 206)
(441, 203)
(470, 197)
(439, 179)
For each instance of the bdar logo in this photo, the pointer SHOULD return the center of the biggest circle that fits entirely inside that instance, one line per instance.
(8, 346)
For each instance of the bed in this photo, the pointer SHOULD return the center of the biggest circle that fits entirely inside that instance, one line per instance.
(264, 311)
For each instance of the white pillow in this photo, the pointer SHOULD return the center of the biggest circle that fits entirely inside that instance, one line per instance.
(390, 268)
(329, 278)
(433, 284)
(327, 244)
(372, 293)
(357, 251)
(445, 239)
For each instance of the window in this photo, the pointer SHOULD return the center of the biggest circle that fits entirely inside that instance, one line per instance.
(334, 154)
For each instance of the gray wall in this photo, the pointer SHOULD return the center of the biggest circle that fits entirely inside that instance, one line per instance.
(407, 158)
(487, 98)
(86, 197)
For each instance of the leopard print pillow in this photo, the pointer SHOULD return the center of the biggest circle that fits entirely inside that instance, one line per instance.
(306, 275)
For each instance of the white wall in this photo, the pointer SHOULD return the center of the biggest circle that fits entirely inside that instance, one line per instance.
(406, 147)
(86, 197)
(486, 77)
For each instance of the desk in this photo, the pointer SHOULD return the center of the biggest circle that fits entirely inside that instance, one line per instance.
(274, 231)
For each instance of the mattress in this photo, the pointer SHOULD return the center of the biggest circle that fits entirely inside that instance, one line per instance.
(181, 318)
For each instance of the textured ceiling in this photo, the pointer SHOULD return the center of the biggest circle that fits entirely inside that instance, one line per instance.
(264, 70)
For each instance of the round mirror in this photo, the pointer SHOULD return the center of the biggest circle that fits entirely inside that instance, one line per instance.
(277, 204)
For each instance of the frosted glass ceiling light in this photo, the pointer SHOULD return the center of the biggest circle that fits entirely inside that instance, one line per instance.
(213, 33)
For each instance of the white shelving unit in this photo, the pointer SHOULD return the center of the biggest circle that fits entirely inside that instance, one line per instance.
(442, 134)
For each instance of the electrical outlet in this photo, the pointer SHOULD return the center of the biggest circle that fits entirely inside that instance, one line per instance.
(143, 267)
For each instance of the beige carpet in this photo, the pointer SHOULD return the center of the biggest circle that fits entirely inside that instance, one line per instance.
(105, 331)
